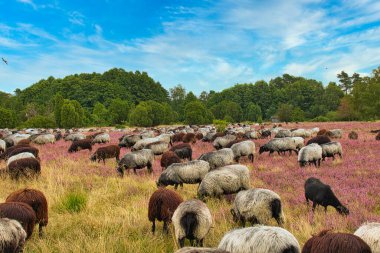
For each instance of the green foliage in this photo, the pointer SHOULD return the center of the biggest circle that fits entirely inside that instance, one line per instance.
(197, 113)
(58, 102)
(228, 109)
(119, 110)
(73, 202)
(320, 119)
(39, 121)
(72, 114)
(288, 113)
(253, 112)
(100, 114)
(7, 118)
(220, 125)
(140, 116)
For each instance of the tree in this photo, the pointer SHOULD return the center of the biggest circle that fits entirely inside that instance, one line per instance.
(284, 112)
(100, 114)
(253, 113)
(347, 82)
(119, 110)
(346, 110)
(58, 102)
(140, 116)
(197, 113)
(177, 97)
(7, 118)
(39, 121)
(228, 109)
(69, 117)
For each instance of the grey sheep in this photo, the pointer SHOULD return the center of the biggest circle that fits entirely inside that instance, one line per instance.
(44, 139)
(252, 135)
(311, 153)
(12, 236)
(331, 149)
(136, 160)
(192, 220)
(244, 148)
(260, 239)
(191, 172)
(335, 133)
(257, 206)
(283, 133)
(226, 180)
(129, 140)
(158, 147)
(281, 145)
(218, 158)
(221, 142)
(301, 133)
(75, 137)
(101, 138)
(370, 233)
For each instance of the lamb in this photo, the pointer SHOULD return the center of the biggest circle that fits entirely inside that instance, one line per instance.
(322, 194)
(331, 149)
(226, 180)
(136, 160)
(189, 138)
(36, 200)
(184, 151)
(329, 242)
(244, 148)
(319, 139)
(24, 167)
(192, 220)
(19, 156)
(218, 158)
(20, 150)
(12, 236)
(101, 138)
(257, 206)
(221, 142)
(158, 147)
(168, 158)
(191, 172)
(102, 153)
(3, 146)
(370, 233)
(129, 140)
(353, 135)
(311, 153)
(260, 239)
(200, 250)
(281, 145)
(162, 205)
(335, 133)
(44, 139)
(21, 212)
(79, 145)
(75, 137)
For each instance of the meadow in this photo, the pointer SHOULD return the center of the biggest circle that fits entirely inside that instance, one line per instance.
(91, 209)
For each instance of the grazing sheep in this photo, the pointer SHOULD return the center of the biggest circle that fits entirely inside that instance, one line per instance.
(353, 135)
(21, 212)
(229, 145)
(322, 194)
(208, 136)
(12, 236)
(283, 133)
(129, 140)
(257, 206)
(244, 148)
(199, 136)
(136, 160)
(102, 153)
(16, 138)
(178, 137)
(189, 138)
(301, 133)
(200, 250)
(260, 239)
(335, 133)
(192, 220)
(322, 132)
(44, 139)
(311, 153)
(79, 145)
(328, 242)
(252, 135)
(191, 172)
(168, 158)
(3, 146)
(218, 158)
(216, 135)
(281, 145)
(162, 205)
(75, 137)
(36, 200)
(101, 138)
(19, 156)
(221, 142)
(331, 149)
(265, 133)
(183, 150)
(8, 151)
(141, 144)
(58, 136)
(319, 139)
(158, 147)
(24, 167)
(314, 130)
(23, 149)
(370, 233)
(226, 180)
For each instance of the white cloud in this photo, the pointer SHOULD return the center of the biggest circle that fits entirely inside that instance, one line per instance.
(29, 2)
(76, 18)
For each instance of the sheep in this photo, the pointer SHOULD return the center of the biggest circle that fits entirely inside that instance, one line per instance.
(218, 158)
(168, 158)
(377, 136)
(260, 239)
(58, 136)
(301, 133)
(158, 147)
(265, 133)
(319, 139)
(198, 136)
(3, 146)
(5, 155)
(141, 144)
(24, 167)
(189, 138)
(200, 250)
(136, 160)
(252, 135)
(102, 153)
(335, 133)
(101, 138)
(226, 180)
(23, 149)
(322, 132)
(314, 130)
(331, 149)
(44, 139)
(162, 205)
(328, 242)
(129, 140)
(178, 137)
(183, 150)
(191, 172)
(36, 200)
(12, 236)
(257, 206)
(221, 142)
(14, 139)
(283, 133)
(75, 137)
(281, 145)
(192, 220)
(370, 233)
(21, 212)
(353, 135)
(208, 137)
(19, 156)
(79, 145)
(311, 153)
(244, 148)
(322, 194)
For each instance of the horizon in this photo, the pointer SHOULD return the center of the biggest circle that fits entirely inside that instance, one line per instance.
(202, 45)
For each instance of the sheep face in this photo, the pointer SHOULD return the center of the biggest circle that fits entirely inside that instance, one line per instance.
(263, 149)
(235, 216)
(343, 210)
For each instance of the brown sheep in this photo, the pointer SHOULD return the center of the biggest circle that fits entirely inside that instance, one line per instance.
(189, 137)
(319, 139)
(35, 199)
(328, 242)
(103, 153)
(378, 136)
(162, 205)
(21, 212)
(322, 132)
(178, 137)
(19, 150)
(92, 136)
(25, 167)
(168, 158)
(353, 135)
(199, 136)
(183, 150)
(24, 142)
(5, 155)
(219, 134)
(79, 145)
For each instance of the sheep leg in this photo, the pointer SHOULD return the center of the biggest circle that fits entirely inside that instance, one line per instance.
(40, 231)
(181, 184)
(200, 244)
(181, 242)
(236, 159)
(166, 227)
(340, 155)
(333, 157)
(104, 161)
(251, 157)
(314, 206)
(134, 170)
(153, 226)
(325, 209)
(319, 162)
(175, 186)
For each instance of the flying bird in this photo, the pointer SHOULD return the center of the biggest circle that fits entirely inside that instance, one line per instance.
(5, 61)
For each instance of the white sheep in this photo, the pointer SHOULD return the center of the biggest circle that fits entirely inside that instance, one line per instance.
(259, 239)
(20, 156)
(301, 133)
(218, 158)
(221, 142)
(311, 153)
(44, 139)
(3, 146)
(143, 143)
(281, 145)
(335, 133)
(370, 233)
(192, 220)
(12, 236)
(244, 148)
(75, 137)
(136, 160)
(101, 138)
(331, 149)
(158, 147)
(257, 206)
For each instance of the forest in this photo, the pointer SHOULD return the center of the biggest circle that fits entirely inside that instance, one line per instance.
(119, 98)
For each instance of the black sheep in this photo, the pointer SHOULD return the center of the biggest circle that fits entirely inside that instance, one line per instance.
(80, 144)
(183, 150)
(321, 194)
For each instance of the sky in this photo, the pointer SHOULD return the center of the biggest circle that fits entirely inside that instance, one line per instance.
(201, 44)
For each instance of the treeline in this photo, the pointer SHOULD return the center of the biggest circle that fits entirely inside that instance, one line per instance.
(117, 97)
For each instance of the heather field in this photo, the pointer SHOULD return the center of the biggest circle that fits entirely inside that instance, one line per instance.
(93, 210)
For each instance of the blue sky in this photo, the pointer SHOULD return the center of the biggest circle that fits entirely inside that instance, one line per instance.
(201, 44)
